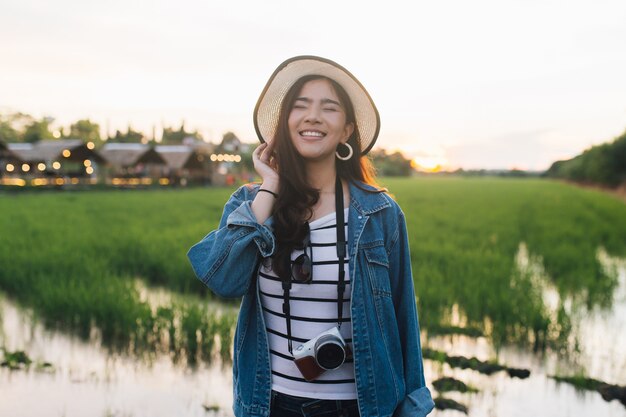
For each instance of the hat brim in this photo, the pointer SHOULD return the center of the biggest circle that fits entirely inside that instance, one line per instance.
(268, 106)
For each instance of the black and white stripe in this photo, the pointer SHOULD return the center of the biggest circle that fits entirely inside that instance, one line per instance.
(313, 311)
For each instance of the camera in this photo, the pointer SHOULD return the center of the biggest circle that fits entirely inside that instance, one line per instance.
(323, 353)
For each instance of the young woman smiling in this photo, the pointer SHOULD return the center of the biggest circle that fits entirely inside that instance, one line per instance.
(328, 322)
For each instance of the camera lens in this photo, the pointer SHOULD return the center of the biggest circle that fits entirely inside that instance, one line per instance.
(329, 353)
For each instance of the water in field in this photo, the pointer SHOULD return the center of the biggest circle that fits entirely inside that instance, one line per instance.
(88, 380)
(600, 338)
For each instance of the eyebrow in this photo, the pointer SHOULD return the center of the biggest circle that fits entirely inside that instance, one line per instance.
(324, 101)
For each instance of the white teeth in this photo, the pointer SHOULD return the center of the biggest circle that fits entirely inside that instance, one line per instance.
(311, 133)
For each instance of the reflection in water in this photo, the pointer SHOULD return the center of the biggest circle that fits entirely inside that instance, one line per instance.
(599, 339)
(602, 332)
(591, 342)
(89, 380)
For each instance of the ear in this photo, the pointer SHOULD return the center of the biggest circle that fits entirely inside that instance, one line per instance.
(348, 130)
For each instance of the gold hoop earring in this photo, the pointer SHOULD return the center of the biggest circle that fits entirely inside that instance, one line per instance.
(350, 153)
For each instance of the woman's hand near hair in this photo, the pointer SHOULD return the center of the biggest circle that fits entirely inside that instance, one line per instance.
(265, 166)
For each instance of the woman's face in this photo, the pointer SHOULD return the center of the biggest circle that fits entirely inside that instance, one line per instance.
(317, 121)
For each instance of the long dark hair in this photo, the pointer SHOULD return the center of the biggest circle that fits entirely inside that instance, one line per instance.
(296, 197)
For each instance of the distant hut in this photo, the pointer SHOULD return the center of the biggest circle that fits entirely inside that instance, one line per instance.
(71, 158)
(230, 143)
(4, 151)
(228, 157)
(132, 161)
(9, 165)
(6, 155)
(185, 165)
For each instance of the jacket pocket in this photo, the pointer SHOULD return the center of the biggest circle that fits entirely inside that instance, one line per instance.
(378, 268)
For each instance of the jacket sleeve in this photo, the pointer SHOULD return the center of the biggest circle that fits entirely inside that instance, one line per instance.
(418, 400)
(226, 259)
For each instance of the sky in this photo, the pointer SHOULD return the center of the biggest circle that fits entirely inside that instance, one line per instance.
(495, 84)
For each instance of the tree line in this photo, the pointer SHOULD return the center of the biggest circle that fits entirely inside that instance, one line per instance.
(22, 127)
(602, 164)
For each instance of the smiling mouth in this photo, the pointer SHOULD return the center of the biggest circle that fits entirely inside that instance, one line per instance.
(312, 134)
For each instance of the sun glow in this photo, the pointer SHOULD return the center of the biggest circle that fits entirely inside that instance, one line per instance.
(426, 163)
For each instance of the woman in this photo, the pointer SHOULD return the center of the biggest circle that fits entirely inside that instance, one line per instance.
(328, 322)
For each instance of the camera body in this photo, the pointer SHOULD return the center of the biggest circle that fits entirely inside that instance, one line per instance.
(324, 352)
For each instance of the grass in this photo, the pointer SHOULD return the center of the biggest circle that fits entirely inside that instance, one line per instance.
(484, 367)
(464, 236)
(609, 392)
(447, 384)
(75, 258)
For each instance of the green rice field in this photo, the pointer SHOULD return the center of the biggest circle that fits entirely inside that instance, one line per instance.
(484, 252)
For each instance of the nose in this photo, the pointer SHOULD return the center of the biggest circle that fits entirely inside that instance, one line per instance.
(313, 114)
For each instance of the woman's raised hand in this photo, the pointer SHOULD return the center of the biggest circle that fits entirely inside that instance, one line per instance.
(265, 165)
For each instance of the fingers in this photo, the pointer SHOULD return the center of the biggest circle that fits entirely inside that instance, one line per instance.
(259, 149)
(264, 153)
(265, 163)
(258, 152)
(271, 146)
(272, 161)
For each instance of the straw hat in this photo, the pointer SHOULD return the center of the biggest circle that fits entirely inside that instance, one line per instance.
(268, 106)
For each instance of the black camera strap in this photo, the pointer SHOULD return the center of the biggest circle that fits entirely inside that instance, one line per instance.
(341, 248)
(341, 255)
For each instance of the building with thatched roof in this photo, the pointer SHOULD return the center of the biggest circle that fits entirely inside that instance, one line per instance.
(129, 155)
(132, 161)
(56, 150)
(8, 164)
(54, 158)
(185, 165)
(6, 154)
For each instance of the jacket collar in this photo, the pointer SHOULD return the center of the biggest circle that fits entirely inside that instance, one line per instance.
(366, 202)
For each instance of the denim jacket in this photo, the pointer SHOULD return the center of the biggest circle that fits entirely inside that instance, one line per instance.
(389, 374)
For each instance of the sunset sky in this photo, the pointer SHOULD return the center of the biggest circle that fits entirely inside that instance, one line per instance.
(481, 84)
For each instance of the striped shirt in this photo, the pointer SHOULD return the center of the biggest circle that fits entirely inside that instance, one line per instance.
(313, 310)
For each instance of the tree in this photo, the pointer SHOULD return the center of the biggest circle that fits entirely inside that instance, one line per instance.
(393, 165)
(7, 133)
(131, 136)
(13, 125)
(86, 130)
(175, 137)
(38, 130)
(601, 164)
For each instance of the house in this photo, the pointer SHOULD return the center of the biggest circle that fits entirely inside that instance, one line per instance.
(132, 163)
(185, 165)
(7, 156)
(72, 159)
(9, 163)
